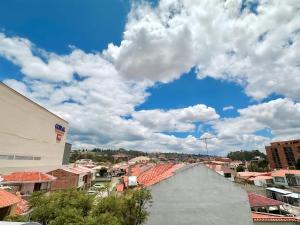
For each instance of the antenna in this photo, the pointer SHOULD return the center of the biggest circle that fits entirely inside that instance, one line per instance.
(206, 147)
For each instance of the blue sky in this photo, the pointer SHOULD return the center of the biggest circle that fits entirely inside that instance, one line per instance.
(160, 70)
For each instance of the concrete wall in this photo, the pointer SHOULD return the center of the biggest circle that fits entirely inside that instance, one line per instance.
(277, 223)
(27, 129)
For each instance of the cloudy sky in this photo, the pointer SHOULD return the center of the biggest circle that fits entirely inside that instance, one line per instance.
(159, 75)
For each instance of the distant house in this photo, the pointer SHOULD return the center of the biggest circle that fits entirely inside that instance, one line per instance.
(259, 203)
(28, 182)
(284, 196)
(286, 177)
(75, 177)
(8, 203)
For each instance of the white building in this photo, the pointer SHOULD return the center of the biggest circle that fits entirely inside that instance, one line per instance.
(31, 137)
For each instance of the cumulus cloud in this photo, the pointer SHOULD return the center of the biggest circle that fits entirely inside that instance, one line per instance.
(176, 119)
(280, 116)
(256, 44)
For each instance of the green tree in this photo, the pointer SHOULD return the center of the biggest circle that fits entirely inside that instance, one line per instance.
(75, 207)
(240, 168)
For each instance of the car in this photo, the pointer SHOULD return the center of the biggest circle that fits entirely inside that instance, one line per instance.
(98, 185)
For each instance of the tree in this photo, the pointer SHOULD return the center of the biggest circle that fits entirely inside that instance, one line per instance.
(72, 207)
(240, 168)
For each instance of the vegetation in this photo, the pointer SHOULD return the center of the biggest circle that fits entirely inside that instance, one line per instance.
(260, 166)
(240, 168)
(103, 155)
(75, 207)
(245, 155)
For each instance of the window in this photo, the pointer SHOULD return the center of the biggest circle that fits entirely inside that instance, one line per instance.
(19, 157)
(289, 156)
(279, 179)
(276, 158)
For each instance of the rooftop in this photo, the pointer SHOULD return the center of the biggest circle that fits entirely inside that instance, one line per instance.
(265, 217)
(8, 199)
(198, 195)
(282, 173)
(27, 177)
(256, 200)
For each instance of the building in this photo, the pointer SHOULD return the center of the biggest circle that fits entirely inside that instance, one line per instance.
(283, 154)
(284, 196)
(286, 178)
(8, 203)
(268, 219)
(75, 177)
(198, 195)
(28, 182)
(30, 135)
(259, 203)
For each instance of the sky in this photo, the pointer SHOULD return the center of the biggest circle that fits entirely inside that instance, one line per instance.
(159, 75)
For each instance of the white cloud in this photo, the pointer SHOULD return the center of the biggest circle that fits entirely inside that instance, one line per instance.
(20, 52)
(226, 108)
(260, 51)
(98, 92)
(176, 119)
(280, 116)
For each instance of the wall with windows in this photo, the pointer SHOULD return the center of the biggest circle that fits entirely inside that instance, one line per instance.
(28, 133)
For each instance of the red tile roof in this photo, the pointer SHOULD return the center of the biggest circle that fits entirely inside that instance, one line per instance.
(120, 187)
(261, 178)
(8, 199)
(265, 217)
(256, 200)
(158, 173)
(22, 207)
(282, 173)
(27, 177)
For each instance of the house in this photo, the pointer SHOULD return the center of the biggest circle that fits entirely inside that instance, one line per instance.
(286, 177)
(139, 159)
(261, 181)
(197, 195)
(102, 173)
(28, 182)
(251, 177)
(284, 196)
(8, 203)
(274, 219)
(259, 203)
(75, 177)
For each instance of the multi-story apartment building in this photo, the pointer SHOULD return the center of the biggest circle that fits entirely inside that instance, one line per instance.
(31, 137)
(283, 154)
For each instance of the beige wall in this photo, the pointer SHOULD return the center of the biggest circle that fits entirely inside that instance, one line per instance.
(27, 129)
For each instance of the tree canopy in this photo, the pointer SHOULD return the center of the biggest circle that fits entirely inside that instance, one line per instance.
(72, 207)
(245, 155)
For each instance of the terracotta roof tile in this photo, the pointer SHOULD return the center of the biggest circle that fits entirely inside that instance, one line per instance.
(281, 173)
(158, 173)
(256, 200)
(264, 217)
(120, 187)
(7, 199)
(26, 177)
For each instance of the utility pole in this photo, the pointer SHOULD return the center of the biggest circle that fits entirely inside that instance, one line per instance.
(205, 141)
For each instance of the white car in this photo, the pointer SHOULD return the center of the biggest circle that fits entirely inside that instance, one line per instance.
(98, 185)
